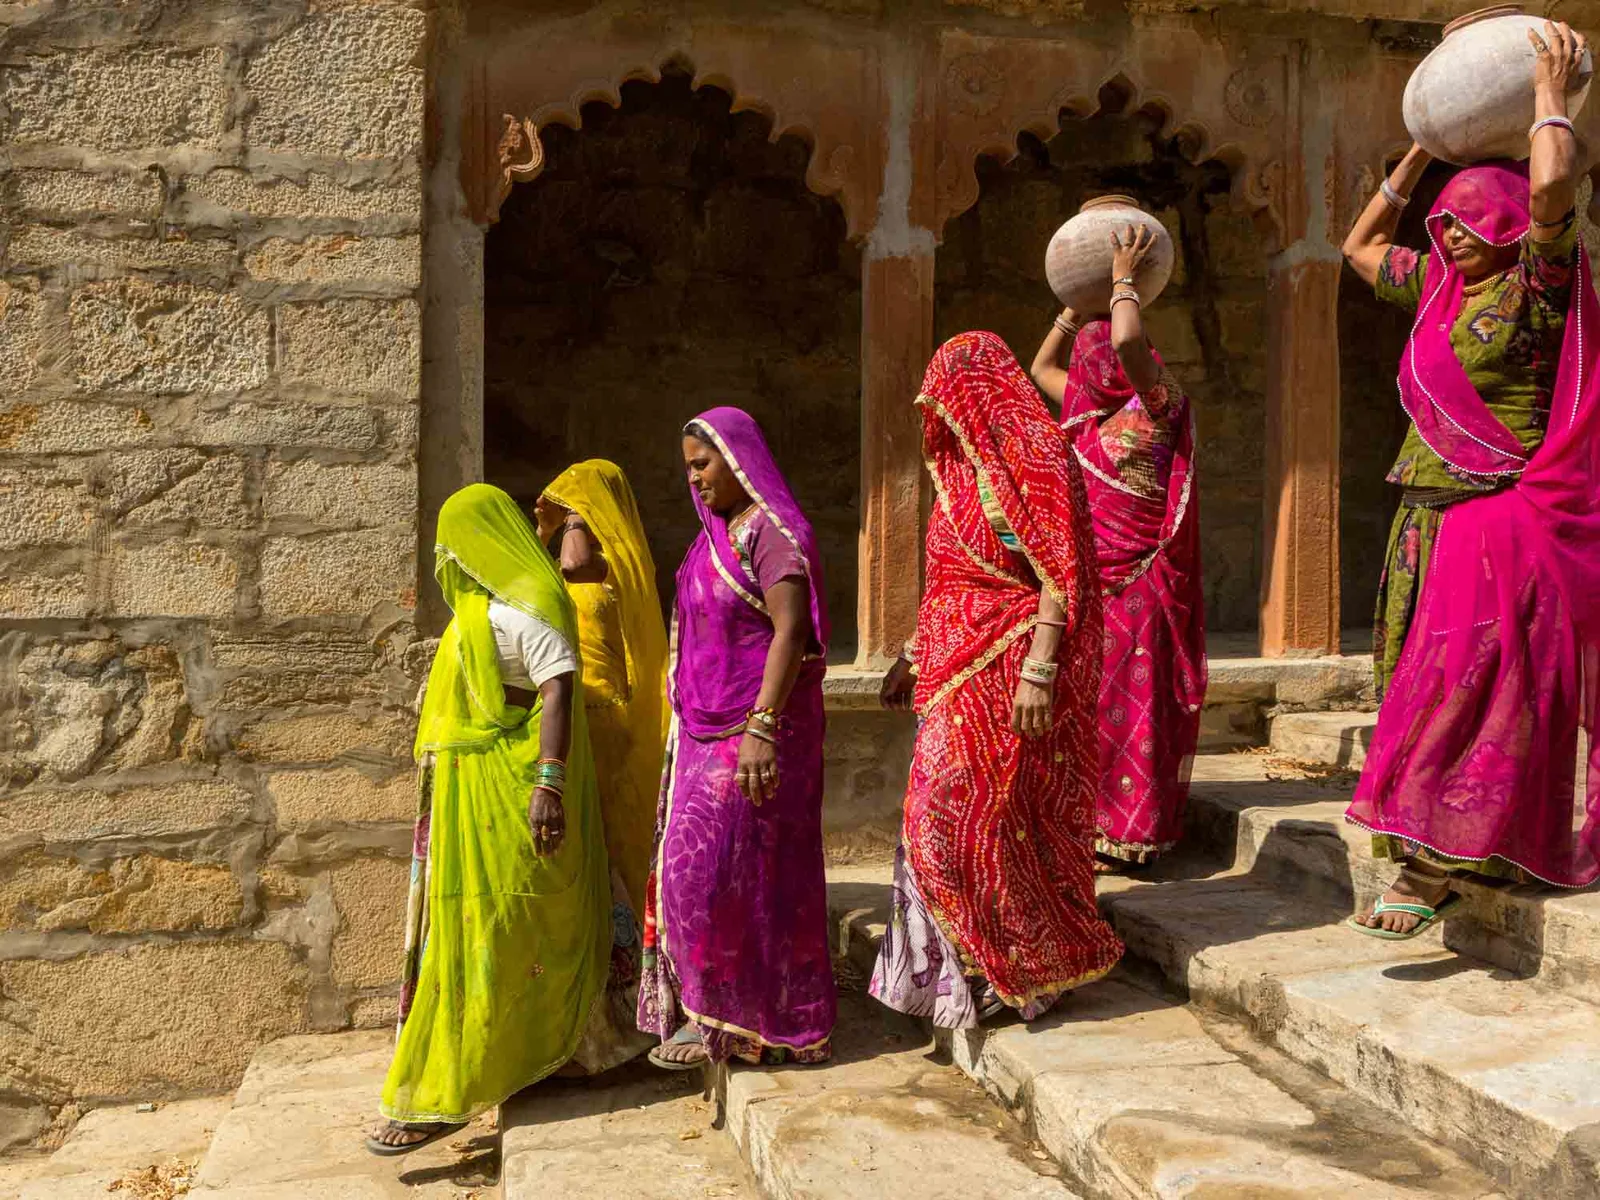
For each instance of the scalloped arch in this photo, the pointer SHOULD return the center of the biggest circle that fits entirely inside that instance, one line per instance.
(993, 90)
(826, 95)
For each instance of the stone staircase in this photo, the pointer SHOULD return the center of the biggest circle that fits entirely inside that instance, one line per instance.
(1250, 1046)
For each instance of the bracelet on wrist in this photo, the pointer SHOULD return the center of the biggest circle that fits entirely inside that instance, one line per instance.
(760, 735)
(1033, 672)
(1391, 197)
(1065, 326)
(1561, 223)
(1556, 122)
(1038, 671)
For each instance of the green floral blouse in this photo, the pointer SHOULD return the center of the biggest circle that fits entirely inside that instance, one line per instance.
(1508, 337)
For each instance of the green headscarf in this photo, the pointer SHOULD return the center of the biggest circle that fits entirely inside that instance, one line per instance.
(511, 948)
(486, 547)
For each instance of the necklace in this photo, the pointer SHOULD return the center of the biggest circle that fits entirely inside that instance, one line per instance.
(1483, 285)
(737, 524)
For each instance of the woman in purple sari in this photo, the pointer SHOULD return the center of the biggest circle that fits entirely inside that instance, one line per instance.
(1488, 641)
(736, 960)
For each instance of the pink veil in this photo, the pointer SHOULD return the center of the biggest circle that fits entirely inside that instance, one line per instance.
(1476, 750)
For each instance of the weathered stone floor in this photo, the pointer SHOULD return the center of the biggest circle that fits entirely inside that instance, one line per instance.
(1250, 1049)
(112, 1144)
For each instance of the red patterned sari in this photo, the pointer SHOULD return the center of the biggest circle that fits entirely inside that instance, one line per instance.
(999, 829)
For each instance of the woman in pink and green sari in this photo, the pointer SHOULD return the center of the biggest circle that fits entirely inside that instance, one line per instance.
(736, 961)
(1488, 642)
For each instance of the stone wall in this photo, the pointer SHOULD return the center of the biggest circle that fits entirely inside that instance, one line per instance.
(670, 259)
(209, 363)
(1208, 323)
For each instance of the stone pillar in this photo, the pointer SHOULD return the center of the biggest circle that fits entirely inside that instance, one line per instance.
(450, 450)
(1300, 575)
(1300, 569)
(896, 343)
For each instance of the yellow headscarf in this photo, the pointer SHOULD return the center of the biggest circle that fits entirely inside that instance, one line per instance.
(630, 738)
(598, 492)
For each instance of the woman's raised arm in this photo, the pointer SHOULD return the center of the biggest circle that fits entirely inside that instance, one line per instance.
(1049, 368)
(1553, 159)
(1373, 233)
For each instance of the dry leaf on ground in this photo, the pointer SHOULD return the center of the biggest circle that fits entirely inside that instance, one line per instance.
(157, 1183)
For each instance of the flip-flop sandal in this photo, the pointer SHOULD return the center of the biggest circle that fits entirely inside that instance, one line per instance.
(989, 1003)
(1105, 864)
(433, 1129)
(680, 1039)
(1430, 914)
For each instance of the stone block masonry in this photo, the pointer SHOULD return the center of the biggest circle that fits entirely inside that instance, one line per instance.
(209, 381)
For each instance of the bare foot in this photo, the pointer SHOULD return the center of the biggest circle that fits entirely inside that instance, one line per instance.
(1105, 864)
(398, 1135)
(1410, 887)
(682, 1049)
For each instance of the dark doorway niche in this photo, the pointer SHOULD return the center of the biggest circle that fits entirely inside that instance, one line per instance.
(1372, 336)
(670, 259)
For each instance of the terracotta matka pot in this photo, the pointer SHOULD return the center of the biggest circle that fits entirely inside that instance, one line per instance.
(1471, 99)
(1078, 259)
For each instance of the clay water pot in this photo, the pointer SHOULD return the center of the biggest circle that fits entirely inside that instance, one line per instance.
(1471, 99)
(1078, 260)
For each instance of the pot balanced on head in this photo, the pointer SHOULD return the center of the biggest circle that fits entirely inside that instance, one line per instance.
(1078, 260)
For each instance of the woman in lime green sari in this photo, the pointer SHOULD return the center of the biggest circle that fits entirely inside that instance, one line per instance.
(509, 928)
(612, 578)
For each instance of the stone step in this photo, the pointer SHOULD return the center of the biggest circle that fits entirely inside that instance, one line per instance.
(121, 1146)
(882, 1119)
(297, 1126)
(1338, 739)
(1286, 826)
(638, 1132)
(1504, 1071)
(1138, 1097)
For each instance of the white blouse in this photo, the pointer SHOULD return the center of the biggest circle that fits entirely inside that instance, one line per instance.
(531, 653)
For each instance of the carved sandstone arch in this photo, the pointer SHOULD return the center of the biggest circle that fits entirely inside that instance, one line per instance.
(993, 89)
(830, 95)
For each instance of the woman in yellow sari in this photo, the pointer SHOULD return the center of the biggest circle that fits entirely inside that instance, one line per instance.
(612, 578)
(510, 925)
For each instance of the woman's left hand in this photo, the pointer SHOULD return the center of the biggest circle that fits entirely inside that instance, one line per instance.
(1132, 247)
(757, 772)
(1031, 708)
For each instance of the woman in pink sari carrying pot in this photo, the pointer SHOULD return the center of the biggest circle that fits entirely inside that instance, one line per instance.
(1132, 430)
(1487, 641)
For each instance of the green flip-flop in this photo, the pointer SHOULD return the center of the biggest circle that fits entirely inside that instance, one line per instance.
(1430, 914)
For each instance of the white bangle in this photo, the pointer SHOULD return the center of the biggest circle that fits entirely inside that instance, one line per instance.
(1395, 200)
(1121, 296)
(1560, 122)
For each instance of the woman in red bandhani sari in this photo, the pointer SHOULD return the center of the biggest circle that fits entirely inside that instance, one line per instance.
(1132, 430)
(994, 900)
